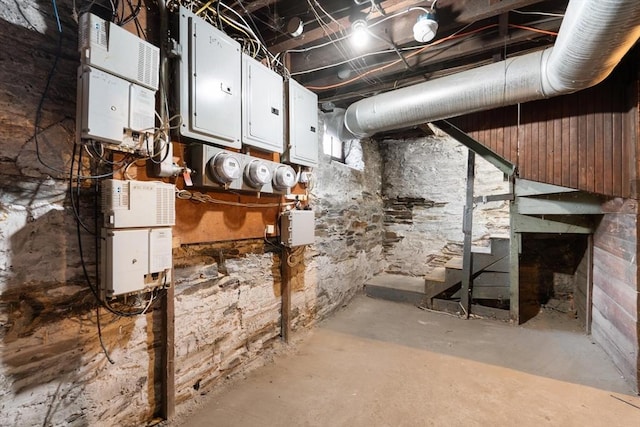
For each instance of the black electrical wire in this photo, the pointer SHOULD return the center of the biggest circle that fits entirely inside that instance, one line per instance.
(104, 349)
(43, 97)
(135, 11)
(75, 204)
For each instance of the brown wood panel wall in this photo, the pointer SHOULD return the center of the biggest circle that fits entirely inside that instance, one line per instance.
(587, 140)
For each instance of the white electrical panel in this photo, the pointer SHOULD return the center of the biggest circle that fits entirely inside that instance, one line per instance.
(209, 83)
(297, 228)
(135, 260)
(105, 45)
(303, 125)
(137, 203)
(220, 169)
(262, 101)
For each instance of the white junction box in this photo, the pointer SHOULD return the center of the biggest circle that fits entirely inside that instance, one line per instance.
(138, 203)
(113, 110)
(303, 125)
(208, 82)
(262, 102)
(297, 228)
(135, 260)
(106, 46)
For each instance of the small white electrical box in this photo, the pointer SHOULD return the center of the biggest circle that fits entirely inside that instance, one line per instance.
(297, 228)
(303, 125)
(137, 203)
(208, 82)
(135, 260)
(262, 101)
(111, 48)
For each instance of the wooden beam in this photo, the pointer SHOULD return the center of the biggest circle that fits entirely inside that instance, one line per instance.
(451, 14)
(447, 51)
(168, 406)
(576, 204)
(532, 224)
(467, 229)
(258, 4)
(493, 158)
(525, 187)
(286, 273)
(514, 264)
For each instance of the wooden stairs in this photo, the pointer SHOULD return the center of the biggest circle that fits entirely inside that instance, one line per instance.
(440, 290)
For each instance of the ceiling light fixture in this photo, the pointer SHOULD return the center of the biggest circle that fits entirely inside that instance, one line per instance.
(359, 33)
(295, 27)
(426, 27)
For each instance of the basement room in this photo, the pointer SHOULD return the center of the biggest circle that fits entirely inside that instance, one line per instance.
(319, 213)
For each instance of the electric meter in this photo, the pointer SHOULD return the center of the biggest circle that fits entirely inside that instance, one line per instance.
(258, 173)
(225, 167)
(284, 177)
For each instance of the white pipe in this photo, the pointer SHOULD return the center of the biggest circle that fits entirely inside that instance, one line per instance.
(593, 38)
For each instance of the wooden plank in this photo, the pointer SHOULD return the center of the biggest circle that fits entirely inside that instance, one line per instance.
(558, 142)
(620, 319)
(599, 171)
(467, 229)
(574, 141)
(585, 204)
(535, 142)
(618, 226)
(551, 142)
(617, 150)
(525, 187)
(625, 296)
(589, 296)
(514, 270)
(530, 224)
(286, 273)
(615, 345)
(614, 267)
(582, 141)
(590, 138)
(168, 404)
(608, 144)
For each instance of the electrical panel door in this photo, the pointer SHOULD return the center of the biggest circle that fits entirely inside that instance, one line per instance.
(303, 125)
(209, 83)
(262, 101)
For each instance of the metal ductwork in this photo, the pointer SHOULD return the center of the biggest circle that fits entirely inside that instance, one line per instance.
(593, 38)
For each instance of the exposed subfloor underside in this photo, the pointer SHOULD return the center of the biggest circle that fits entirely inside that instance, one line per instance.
(384, 363)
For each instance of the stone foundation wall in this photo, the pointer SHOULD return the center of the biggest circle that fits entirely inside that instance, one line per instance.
(227, 295)
(424, 185)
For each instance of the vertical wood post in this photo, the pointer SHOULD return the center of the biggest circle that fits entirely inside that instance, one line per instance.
(514, 261)
(589, 307)
(285, 272)
(467, 228)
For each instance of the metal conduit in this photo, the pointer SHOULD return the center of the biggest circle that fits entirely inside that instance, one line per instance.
(593, 38)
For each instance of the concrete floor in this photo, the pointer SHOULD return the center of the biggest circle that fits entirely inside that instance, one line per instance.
(379, 363)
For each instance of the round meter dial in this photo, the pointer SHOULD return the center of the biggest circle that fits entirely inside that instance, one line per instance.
(284, 177)
(225, 167)
(258, 173)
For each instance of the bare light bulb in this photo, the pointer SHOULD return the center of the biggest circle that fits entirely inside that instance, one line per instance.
(359, 33)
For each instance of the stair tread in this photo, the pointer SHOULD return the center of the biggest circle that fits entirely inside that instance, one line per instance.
(438, 274)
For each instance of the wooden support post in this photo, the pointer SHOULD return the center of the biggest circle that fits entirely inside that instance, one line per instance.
(467, 228)
(168, 406)
(589, 308)
(285, 272)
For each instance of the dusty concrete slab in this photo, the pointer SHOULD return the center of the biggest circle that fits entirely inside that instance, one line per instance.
(382, 363)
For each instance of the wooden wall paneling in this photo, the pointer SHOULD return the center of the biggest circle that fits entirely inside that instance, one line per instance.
(633, 138)
(571, 107)
(515, 136)
(541, 152)
(600, 141)
(558, 142)
(591, 142)
(617, 143)
(582, 141)
(550, 139)
(608, 108)
(534, 118)
(525, 146)
(567, 143)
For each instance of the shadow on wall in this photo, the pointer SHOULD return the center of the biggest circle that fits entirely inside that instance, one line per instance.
(49, 357)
